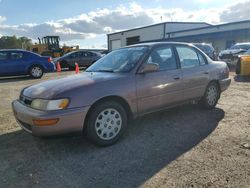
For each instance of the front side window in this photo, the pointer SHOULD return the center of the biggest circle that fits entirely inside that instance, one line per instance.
(3, 55)
(121, 60)
(164, 57)
(16, 55)
(188, 57)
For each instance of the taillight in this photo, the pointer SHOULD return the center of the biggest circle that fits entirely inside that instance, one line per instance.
(49, 59)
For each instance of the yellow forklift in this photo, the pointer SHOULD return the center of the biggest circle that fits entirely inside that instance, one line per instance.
(50, 46)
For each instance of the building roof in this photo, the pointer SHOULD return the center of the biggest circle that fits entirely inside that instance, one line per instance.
(212, 29)
(160, 24)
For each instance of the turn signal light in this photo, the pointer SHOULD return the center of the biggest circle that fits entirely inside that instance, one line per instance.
(45, 122)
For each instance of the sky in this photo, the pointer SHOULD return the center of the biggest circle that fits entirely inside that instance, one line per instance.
(87, 22)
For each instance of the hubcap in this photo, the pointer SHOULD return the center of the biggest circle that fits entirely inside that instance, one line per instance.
(36, 71)
(212, 95)
(108, 124)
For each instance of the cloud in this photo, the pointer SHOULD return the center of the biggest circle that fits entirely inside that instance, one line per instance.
(236, 12)
(96, 23)
(2, 18)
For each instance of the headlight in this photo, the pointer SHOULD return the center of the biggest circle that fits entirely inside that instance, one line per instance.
(42, 104)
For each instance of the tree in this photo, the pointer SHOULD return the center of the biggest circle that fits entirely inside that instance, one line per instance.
(13, 42)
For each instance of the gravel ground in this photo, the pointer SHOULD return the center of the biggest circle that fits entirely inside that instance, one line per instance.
(182, 147)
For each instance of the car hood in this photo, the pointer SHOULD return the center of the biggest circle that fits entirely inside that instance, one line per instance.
(50, 89)
(234, 51)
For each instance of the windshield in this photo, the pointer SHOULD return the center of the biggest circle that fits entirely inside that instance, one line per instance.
(121, 60)
(247, 52)
(241, 46)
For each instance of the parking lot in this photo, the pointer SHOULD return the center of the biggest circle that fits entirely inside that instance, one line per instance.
(182, 147)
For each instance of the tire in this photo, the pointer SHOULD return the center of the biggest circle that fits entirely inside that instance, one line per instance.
(106, 123)
(238, 67)
(211, 96)
(36, 71)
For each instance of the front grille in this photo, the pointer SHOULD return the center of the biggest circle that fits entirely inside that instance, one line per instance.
(25, 100)
(24, 125)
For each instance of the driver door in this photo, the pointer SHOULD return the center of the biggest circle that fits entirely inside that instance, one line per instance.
(159, 89)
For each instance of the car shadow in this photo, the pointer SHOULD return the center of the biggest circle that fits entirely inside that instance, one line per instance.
(239, 78)
(15, 79)
(149, 145)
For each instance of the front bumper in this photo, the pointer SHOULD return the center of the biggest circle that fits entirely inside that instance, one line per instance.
(224, 84)
(70, 120)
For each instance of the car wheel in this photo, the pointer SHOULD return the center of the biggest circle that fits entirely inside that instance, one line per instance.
(106, 123)
(36, 71)
(211, 96)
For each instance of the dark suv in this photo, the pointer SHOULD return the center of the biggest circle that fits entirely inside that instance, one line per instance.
(207, 49)
(82, 57)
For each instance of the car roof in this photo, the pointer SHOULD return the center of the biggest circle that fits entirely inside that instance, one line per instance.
(19, 50)
(243, 43)
(12, 50)
(203, 44)
(152, 44)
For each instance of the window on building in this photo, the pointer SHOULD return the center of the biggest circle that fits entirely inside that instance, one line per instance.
(133, 40)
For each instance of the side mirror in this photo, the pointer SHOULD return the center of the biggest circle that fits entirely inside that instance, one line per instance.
(152, 67)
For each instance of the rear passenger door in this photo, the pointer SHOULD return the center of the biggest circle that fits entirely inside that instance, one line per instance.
(86, 59)
(156, 90)
(16, 63)
(195, 71)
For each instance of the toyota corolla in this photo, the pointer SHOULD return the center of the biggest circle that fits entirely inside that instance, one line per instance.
(126, 83)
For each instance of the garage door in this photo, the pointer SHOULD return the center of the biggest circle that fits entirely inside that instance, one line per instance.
(115, 44)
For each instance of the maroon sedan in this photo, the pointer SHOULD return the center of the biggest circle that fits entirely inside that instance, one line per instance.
(126, 83)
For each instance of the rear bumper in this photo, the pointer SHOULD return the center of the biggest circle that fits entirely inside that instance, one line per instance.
(70, 120)
(50, 68)
(224, 84)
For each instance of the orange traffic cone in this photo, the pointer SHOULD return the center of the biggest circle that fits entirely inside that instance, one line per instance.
(77, 68)
(58, 67)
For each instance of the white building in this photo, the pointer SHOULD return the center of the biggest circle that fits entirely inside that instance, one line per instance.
(221, 36)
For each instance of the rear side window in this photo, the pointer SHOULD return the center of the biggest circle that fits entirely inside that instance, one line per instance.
(188, 57)
(164, 57)
(90, 54)
(3, 55)
(16, 55)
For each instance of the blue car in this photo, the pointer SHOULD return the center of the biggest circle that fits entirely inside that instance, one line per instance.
(22, 62)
